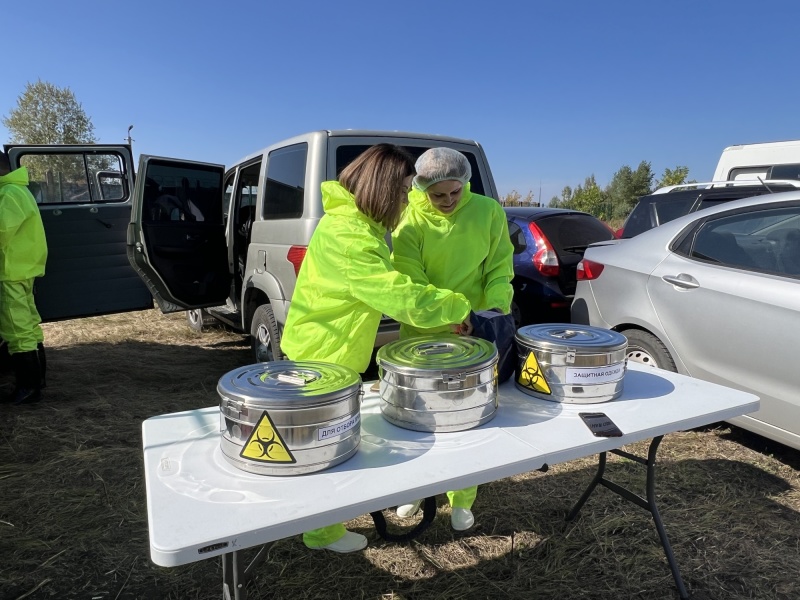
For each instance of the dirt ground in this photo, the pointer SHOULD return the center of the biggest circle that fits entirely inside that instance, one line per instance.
(73, 518)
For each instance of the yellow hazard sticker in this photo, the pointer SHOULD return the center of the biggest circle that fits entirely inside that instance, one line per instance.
(266, 444)
(531, 376)
(496, 379)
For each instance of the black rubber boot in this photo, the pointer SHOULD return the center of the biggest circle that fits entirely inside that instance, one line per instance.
(28, 372)
(42, 364)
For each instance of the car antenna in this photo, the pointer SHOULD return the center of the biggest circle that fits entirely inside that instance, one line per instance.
(765, 185)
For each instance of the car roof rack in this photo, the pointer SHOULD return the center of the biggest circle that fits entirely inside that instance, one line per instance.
(727, 183)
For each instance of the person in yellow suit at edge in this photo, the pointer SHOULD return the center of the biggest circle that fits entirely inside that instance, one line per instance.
(451, 238)
(347, 282)
(23, 254)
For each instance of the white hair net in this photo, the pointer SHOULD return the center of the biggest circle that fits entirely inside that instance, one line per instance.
(441, 164)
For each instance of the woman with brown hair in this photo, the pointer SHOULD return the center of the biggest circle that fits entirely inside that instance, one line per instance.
(347, 282)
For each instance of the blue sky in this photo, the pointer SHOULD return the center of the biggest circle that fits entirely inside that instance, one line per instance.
(554, 91)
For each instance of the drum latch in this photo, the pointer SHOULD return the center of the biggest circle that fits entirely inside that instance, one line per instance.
(454, 381)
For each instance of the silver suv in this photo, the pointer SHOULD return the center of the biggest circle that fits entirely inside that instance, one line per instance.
(228, 244)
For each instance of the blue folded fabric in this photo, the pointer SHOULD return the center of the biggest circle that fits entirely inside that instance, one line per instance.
(499, 329)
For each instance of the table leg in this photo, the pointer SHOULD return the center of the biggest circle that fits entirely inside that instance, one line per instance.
(235, 575)
(648, 504)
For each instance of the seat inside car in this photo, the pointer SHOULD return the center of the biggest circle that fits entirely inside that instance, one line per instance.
(722, 247)
(789, 256)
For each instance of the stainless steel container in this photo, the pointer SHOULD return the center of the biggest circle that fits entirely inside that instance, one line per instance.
(571, 363)
(438, 382)
(289, 417)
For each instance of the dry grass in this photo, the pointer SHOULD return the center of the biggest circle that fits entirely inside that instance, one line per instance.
(73, 521)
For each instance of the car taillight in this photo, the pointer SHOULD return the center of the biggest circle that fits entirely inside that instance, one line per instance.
(618, 233)
(544, 259)
(295, 256)
(588, 269)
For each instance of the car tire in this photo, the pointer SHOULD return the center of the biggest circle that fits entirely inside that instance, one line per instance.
(647, 349)
(198, 319)
(265, 336)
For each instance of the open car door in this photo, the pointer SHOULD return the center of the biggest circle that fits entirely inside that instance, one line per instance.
(176, 238)
(84, 194)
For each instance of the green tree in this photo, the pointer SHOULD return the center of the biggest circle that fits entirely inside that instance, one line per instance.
(674, 176)
(626, 187)
(514, 198)
(588, 198)
(556, 202)
(47, 114)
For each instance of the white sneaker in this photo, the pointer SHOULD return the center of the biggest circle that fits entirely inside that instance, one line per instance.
(349, 542)
(461, 519)
(408, 510)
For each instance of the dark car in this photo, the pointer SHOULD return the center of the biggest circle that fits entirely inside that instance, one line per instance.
(548, 245)
(672, 202)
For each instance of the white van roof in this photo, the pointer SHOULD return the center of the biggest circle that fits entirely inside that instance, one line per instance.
(753, 161)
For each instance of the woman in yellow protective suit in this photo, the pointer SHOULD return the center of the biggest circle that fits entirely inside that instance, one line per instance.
(452, 238)
(347, 282)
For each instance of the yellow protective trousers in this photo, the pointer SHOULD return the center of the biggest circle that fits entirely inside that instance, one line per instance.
(463, 498)
(19, 319)
(319, 538)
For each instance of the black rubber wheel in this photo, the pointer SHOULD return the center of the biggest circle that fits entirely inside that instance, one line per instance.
(647, 349)
(265, 335)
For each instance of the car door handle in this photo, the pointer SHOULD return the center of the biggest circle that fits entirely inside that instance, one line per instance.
(683, 280)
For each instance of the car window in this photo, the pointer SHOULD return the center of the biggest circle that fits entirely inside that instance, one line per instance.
(765, 240)
(669, 211)
(345, 154)
(784, 172)
(75, 177)
(517, 237)
(182, 193)
(571, 233)
(286, 177)
(654, 211)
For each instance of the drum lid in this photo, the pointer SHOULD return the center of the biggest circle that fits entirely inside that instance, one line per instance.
(289, 384)
(432, 355)
(558, 336)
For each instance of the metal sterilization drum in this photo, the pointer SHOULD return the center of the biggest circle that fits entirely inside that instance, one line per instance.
(289, 417)
(571, 363)
(438, 382)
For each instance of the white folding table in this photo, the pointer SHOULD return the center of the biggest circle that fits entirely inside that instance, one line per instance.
(199, 506)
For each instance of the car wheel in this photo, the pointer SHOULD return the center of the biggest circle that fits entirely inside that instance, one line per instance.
(647, 349)
(265, 335)
(198, 318)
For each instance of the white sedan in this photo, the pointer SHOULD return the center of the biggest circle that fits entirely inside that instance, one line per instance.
(714, 295)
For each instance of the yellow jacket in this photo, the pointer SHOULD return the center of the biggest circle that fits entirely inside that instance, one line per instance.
(345, 284)
(467, 251)
(23, 248)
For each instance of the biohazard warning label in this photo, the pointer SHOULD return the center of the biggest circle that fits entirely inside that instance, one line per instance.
(266, 445)
(531, 376)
